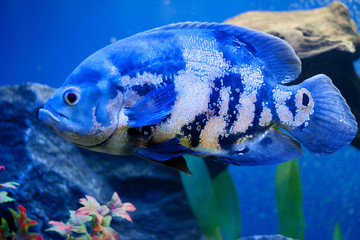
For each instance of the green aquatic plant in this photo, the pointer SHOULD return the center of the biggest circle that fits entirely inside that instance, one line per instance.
(228, 205)
(98, 216)
(289, 200)
(218, 214)
(22, 222)
(4, 194)
(337, 235)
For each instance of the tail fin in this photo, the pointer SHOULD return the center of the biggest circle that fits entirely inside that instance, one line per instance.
(331, 125)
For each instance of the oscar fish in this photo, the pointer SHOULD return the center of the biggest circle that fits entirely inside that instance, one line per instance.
(212, 90)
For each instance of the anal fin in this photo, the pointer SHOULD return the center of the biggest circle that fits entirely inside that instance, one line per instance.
(273, 146)
(168, 153)
(178, 163)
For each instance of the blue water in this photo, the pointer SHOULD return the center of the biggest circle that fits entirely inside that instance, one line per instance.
(330, 188)
(44, 40)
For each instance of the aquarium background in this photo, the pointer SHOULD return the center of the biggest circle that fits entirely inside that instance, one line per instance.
(43, 41)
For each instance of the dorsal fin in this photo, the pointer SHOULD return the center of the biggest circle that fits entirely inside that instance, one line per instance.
(277, 54)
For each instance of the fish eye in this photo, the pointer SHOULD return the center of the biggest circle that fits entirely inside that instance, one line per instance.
(71, 96)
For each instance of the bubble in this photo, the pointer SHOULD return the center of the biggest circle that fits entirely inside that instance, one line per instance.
(113, 39)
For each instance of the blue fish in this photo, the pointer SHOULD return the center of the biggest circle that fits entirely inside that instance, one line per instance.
(212, 90)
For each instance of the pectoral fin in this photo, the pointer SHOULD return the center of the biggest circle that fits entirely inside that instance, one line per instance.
(154, 107)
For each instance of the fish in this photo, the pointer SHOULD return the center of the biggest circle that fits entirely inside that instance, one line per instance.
(212, 90)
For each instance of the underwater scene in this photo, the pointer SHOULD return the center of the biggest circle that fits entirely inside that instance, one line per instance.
(178, 119)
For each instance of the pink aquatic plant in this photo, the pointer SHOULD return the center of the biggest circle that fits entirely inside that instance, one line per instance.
(100, 217)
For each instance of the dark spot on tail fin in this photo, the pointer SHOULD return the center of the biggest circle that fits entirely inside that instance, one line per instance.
(305, 99)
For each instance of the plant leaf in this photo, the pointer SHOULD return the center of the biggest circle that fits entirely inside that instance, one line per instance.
(302, 226)
(4, 197)
(9, 185)
(337, 235)
(228, 205)
(23, 223)
(60, 227)
(98, 237)
(106, 221)
(4, 229)
(84, 237)
(200, 193)
(80, 229)
(119, 209)
(21, 218)
(289, 198)
(109, 234)
(105, 233)
(97, 227)
(31, 236)
(78, 219)
(115, 202)
(92, 207)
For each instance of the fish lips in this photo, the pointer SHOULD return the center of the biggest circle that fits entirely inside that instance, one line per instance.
(50, 117)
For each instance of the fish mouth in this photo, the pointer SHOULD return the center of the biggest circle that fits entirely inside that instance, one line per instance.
(48, 117)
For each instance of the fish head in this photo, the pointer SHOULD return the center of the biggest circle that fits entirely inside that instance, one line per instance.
(85, 110)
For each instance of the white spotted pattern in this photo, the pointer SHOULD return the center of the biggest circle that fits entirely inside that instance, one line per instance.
(194, 85)
(303, 112)
(265, 116)
(252, 82)
(141, 80)
(282, 110)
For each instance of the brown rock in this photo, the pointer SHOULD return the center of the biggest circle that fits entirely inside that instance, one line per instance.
(325, 39)
(310, 32)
